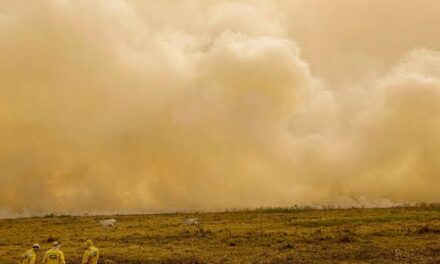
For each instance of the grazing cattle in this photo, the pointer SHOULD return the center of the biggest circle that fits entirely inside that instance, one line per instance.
(192, 222)
(108, 223)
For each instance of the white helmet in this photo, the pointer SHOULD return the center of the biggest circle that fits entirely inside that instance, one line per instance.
(56, 243)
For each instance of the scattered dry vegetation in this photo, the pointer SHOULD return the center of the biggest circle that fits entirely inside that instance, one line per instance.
(291, 235)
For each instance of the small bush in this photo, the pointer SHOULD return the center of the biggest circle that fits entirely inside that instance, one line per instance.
(51, 239)
(346, 236)
(427, 230)
(286, 246)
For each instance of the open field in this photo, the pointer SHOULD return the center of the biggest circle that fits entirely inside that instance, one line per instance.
(394, 235)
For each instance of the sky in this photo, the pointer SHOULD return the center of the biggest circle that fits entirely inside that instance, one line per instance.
(159, 106)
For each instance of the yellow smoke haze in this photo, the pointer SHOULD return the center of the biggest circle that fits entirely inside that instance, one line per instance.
(146, 106)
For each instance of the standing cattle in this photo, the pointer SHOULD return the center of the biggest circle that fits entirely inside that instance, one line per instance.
(108, 223)
(192, 222)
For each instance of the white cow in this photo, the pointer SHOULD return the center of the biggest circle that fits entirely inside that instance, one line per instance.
(108, 223)
(192, 221)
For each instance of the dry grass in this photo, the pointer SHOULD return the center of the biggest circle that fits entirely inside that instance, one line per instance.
(395, 235)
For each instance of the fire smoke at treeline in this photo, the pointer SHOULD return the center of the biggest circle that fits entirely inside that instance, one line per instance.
(164, 105)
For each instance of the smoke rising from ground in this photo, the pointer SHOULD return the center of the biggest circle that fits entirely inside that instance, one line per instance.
(156, 106)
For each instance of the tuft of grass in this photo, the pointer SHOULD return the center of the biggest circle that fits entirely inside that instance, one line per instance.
(426, 229)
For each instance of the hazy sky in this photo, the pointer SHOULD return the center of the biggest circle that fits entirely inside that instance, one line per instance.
(117, 105)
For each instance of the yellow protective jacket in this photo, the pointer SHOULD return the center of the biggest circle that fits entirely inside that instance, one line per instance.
(29, 257)
(54, 256)
(91, 256)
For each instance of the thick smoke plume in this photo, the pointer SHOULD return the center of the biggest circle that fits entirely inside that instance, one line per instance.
(145, 106)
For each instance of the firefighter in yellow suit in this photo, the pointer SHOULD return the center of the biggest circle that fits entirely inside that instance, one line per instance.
(54, 255)
(29, 256)
(91, 255)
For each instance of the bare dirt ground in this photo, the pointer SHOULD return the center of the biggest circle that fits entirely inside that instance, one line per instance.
(394, 235)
